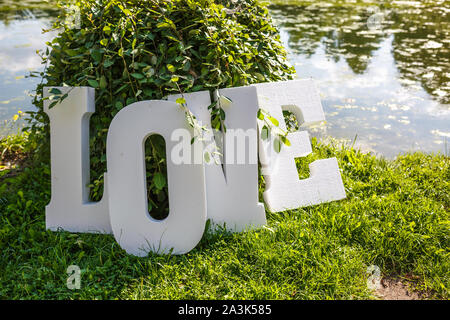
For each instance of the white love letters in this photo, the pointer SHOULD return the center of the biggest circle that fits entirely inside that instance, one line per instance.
(69, 207)
(284, 190)
(134, 229)
(224, 190)
(232, 191)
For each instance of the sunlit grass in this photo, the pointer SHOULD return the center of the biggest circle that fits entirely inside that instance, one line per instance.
(395, 216)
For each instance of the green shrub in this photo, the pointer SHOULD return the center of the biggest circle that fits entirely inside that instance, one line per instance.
(140, 50)
(15, 146)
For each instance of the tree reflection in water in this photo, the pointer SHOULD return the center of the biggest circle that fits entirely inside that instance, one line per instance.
(408, 42)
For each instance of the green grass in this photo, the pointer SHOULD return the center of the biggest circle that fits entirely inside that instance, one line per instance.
(395, 216)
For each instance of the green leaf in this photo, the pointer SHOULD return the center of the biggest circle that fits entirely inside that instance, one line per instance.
(260, 115)
(108, 63)
(218, 125)
(63, 97)
(212, 105)
(163, 25)
(187, 66)
(138, 76)
(71, 52)
(121, 88)
(277, 145)
(274, 121)
(55, 91)
(107, 30)
(118, 105)
(96, 55)
(52, 104)
(207, 157)
(285, 140)
(171, 68)
(150, 72)
(181, 100)
(159, 180)
(93, 83)
(265, 133)
(103, 82)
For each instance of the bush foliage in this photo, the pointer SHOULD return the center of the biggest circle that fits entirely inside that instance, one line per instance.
(141, 50)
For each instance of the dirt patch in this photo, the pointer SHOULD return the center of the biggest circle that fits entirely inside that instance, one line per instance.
(395, 289)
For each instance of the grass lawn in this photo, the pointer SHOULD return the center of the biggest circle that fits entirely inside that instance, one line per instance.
(395, 217)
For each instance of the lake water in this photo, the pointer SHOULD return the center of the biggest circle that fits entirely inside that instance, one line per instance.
(21, 24)
(383, 71)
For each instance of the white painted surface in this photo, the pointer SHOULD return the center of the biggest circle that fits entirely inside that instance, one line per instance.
(232, 191)
(284, 189)
(133, 228)
(69, 208)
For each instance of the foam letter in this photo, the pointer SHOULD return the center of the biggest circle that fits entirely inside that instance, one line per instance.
(133, 228)
(69, 208)
(232, 192)
(284, 190)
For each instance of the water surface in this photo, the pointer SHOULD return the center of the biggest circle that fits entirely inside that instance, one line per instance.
(382, 68)
(21, 24)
